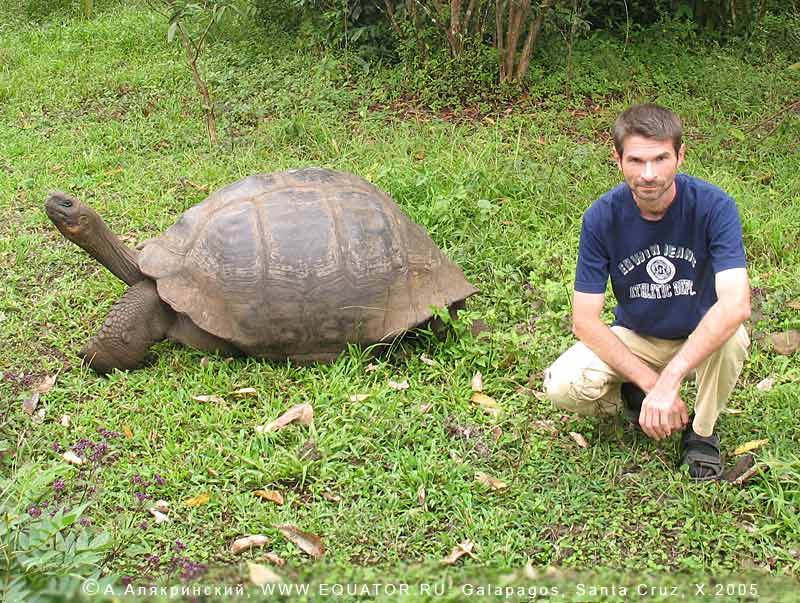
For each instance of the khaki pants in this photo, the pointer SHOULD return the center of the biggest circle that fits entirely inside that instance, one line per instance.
(580, 382)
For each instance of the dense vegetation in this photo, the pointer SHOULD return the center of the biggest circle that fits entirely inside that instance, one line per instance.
(499, 174)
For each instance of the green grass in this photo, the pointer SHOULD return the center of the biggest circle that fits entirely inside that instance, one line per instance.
(105, 109)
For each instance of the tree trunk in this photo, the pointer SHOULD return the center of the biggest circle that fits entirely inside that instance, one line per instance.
(208, 106)
(530, 41)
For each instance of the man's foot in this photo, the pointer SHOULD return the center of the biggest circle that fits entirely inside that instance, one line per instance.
(632, 398)
(701, 454)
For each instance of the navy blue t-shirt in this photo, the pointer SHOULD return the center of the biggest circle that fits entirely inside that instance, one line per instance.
(662, 272)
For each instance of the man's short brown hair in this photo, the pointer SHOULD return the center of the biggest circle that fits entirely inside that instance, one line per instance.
(648, 121)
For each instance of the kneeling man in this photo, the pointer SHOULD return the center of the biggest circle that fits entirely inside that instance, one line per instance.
(672, 246)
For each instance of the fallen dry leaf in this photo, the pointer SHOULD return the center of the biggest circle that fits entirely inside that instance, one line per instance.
(487, 403)
(548, 426)
(72, 458)
(205, 398)
(64, 421)
(29, 404)
(248, 542)
(748, 446)
(275, 559)
(212, 472)
(477, 382)
(270, 495)
(465, 548)
(127, 431)
(308, 543)
(204, 362)
(159, 516)
(579, 439)
(734, 411)
(371, 367)
(198, 500)
(162, 505)
(261, 574)
(421, 495)
(497, 433)
(46, 385)
(490, 482)
(745, 463)
(794, 304)
(243, 392)
(786, 343)
(426, 360)
(766, 384)
(330, 497)
(424, 408)
(358, 397)
(301, 413)
(398, 385)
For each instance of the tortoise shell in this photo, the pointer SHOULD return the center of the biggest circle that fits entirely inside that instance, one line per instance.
(298, 264)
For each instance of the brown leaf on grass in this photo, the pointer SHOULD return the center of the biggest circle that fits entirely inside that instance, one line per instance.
(261, 574)
(244, 392)
(786, 343)
(497, 433)
(490, 482)
(794, 304)
(72, 458)
(371, 367)
(330, 497)
(398, 385)
(766, 384)
(300, 413)
(734, 411)
(127, 432)
(743, 465)
(275, 559)
(421, 494)
(29, 404)
(476, 383)
(204, 362)
(308, 543)
(358, 397)
(579, 439)
(248, 542)
(425, 408)
(426, 360)
(38, 417)
(748, 446)
(212, 472)
(198, 500)
(270, 495)
(464, 548)
(46, 385)
(208, 398)
(547, 426)
(162, 506)
(65, 420)
(488, 404)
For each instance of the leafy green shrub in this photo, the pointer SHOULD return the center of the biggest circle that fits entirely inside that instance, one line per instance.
(46, 553)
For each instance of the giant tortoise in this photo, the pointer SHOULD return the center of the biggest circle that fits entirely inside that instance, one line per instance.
(289, 265)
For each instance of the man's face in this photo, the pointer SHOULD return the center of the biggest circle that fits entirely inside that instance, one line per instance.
(649, 167)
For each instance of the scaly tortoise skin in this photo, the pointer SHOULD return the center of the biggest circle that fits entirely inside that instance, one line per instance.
(290, 265)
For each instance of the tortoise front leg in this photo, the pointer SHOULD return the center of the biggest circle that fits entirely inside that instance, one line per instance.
(137, 320)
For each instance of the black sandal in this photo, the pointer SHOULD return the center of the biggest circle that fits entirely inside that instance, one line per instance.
(632, 398)
(701, 454)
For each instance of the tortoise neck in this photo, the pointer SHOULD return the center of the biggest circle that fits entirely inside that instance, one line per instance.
(106, 248)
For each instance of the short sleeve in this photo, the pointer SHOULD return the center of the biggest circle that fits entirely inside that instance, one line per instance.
(592, 271)
(725, 244)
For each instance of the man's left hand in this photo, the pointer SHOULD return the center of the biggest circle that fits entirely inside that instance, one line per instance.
(663, 412)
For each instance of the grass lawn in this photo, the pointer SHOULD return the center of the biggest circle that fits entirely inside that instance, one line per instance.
(105, 109)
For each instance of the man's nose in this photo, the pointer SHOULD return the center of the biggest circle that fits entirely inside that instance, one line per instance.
(648, 173)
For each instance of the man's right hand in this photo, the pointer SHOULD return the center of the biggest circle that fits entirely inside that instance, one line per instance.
(663, 411)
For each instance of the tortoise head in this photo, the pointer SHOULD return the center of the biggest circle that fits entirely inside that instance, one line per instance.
(77, 221)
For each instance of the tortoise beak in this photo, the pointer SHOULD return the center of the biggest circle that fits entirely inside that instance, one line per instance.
(58, 205)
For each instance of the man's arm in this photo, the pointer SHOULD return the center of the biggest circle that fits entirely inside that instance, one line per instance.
(595, 335)
(717, 326)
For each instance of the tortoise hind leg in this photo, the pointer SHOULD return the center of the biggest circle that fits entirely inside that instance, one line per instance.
(137, 320)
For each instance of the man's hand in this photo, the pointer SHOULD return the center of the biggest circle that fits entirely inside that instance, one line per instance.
(663, 412)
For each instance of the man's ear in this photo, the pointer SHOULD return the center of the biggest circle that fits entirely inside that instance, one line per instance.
(681, 155)
(618, 158)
